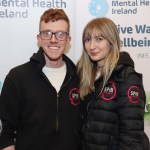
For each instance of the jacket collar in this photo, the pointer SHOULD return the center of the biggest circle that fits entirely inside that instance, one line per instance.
(39, 59)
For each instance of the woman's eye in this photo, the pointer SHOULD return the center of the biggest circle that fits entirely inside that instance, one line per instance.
(87, 39)
(99, 39)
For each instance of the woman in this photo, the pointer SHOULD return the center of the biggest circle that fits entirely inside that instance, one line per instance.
(113, 93)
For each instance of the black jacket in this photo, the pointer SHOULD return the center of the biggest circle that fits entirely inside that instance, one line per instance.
(114, 119)
(41, 118)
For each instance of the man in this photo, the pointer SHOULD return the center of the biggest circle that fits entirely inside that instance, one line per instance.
(39, 103)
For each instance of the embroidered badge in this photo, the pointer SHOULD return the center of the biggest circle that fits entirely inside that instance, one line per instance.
(74, 97)
(133, 94)
(109, 91)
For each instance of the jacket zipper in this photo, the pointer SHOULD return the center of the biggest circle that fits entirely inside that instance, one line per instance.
(58, 104)
(88, 106)
(83, 128)
(57, 122)
(56, 129)
(57, 113)
(65, 84)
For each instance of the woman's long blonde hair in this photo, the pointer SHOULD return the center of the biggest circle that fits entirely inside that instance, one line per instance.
(87, 68)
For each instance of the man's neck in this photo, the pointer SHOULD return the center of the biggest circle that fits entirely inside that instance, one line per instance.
(54, 63)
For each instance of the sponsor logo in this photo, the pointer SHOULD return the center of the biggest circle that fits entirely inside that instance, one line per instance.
(109, 92)
(98, 8)
(133, 94)
(74, 96)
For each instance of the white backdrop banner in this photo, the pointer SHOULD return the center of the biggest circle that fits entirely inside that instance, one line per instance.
(19, 25)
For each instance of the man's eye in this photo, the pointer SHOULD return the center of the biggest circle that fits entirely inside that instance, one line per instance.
(59, 33)
(48, 33)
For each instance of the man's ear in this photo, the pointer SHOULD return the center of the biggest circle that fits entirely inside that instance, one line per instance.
(68, 40)
(39, 41)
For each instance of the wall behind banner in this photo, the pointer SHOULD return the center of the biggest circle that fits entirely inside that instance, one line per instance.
(19, 25)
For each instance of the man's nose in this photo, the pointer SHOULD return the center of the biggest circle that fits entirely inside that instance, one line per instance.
(53, 38)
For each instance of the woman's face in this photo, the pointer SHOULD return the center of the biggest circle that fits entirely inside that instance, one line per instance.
(97, 48)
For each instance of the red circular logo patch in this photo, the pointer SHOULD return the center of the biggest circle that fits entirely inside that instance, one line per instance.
(74, 97)
(109, 91)
(133, 94)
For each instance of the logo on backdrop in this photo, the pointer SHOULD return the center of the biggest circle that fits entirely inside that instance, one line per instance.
(20, 8)
(98, 8)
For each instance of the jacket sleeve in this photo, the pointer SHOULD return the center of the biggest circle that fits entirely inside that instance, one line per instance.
(131, 106)
(9, 113)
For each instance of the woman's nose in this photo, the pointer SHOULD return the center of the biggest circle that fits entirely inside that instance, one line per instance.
(92, 44)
